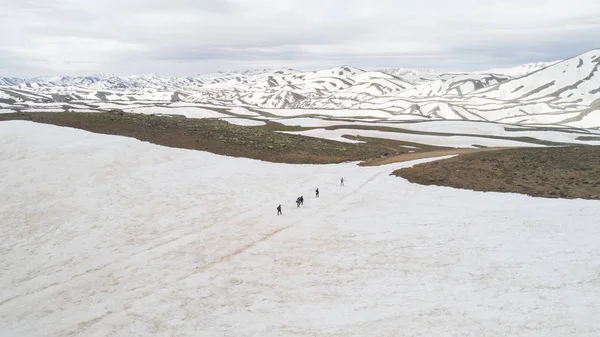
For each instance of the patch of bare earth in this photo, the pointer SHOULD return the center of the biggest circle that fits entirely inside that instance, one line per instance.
(403, 157)
(213, 135)
(565, 172)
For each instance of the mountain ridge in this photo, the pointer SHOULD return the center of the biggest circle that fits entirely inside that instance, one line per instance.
(567, 90)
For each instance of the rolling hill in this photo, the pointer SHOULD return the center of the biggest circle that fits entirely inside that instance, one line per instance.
(556, 93)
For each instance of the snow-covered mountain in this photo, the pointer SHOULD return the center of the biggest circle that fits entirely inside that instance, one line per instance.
(520, 70)
(554, 92)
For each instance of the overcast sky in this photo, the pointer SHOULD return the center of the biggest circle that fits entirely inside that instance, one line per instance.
(186, 37)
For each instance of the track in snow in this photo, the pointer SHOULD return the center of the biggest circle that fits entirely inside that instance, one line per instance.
(104, 235)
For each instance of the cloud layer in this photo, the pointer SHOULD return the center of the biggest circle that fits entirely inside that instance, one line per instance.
(185, 37)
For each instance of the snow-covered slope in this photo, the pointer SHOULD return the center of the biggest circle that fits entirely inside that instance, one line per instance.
(573, 81)
(520, 70)
(105, 235)
(453, 85)
(564, 93)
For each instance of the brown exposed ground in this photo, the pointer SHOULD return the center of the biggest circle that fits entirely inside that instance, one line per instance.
(399, 158)
(565, 172)
(214, 136)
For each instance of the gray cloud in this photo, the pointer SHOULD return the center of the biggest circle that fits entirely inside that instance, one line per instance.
(184, 37)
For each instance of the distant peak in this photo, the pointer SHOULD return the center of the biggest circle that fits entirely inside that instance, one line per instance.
(104, 75)
(144, 76)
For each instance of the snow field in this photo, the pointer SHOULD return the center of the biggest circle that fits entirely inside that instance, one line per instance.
(189, 112)
(313, 122)
(243, 112)
(561, 75)
(325, 134)
(106, 235)
(243, 121)
(520, 70)
(593, 118)
(109, 106)
(495, 129)
(332, 113)
(448, 141)
(440, 126)
(4, 95)
(549, 119)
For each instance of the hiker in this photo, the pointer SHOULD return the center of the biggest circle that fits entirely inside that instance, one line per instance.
(298, 202)
(317, 193)
(279, 210)
(301, 200)
(342, 182)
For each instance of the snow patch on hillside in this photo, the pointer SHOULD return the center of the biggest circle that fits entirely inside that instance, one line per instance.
(445, 141)
(190, 112)
(520, 70)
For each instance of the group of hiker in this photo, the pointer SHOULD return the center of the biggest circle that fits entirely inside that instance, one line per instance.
(300, 199)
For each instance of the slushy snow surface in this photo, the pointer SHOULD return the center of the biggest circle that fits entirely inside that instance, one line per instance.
(110, 236)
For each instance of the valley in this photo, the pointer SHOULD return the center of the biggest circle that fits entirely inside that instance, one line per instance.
(146, 205)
